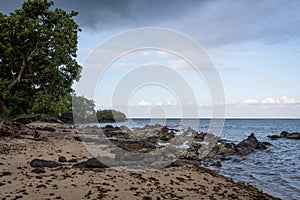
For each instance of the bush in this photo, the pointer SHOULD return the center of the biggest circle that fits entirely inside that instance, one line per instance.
(110, 116)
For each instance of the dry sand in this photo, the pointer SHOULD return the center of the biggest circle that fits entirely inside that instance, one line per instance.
(17, 181)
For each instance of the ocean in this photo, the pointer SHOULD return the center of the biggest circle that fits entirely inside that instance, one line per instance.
(275, 171)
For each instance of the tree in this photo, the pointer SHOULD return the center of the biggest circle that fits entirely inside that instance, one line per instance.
(38, 64)
(110, 116)
(79, 108)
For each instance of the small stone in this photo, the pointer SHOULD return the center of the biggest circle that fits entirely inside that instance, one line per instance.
(217, 164)
(62, 159)
(5, 174)
(38, 170)
(77, 138)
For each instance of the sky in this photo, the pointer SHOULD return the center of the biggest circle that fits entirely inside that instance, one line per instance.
(253, 45)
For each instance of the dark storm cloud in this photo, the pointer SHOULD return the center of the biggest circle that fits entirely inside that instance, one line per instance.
(211, 22)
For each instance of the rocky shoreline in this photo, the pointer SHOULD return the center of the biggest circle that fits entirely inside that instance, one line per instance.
(51, 161)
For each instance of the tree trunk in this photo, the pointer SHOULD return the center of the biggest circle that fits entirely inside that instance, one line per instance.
(2, 109)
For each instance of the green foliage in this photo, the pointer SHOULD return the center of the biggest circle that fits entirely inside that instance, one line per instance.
(110, 116)
(83, 108)
(38, 64)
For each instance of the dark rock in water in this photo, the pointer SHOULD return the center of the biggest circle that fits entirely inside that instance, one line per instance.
(226, 148)
(274, 137)
(248, 145)
(38, 170)
(293, 136)
(44, 163)
(73, 160)
(285, 134)
(90, 163)
(62, 159)
(261, 146)
(267, 143)
(217, 164)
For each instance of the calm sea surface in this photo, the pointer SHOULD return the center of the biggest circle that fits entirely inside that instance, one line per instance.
(275, 171)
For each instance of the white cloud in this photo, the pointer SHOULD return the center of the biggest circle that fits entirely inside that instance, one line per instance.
(286, 100)
(223, 103)
(251, 101)
(273, 101)
(159, 104)
(144, 103)
(170, 103)
(165, 103)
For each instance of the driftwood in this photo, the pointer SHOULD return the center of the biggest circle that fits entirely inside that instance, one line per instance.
(43, 117)
(9, 128)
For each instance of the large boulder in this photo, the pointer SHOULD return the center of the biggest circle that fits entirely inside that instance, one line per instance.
(136, 146)
(44, 163)
(90, 163)
(290, 135)
(248, 145)
(274, 137)
(285, 134)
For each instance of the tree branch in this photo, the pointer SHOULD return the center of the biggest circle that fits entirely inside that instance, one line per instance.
(18, 79)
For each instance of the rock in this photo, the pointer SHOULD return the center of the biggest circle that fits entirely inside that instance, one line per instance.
(62, 159)
(130, 157)
(5, 174)
(190, 154)
(137, 146)
(164, 130)
(247, 146)
(10, 129)
(285, 134)
(77, 138)
(38, 170)
(217, 164)
(274, 137)
(226, 148)
(46, 128)
(44, 163)
(267, 143)
(200, 136)
(90, 163)
(166, 136)
(261, 146)
(125, 129)
(293, 136)
(73, 160)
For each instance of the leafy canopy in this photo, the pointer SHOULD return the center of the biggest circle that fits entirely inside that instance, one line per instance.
(38, 64)
(110, 116)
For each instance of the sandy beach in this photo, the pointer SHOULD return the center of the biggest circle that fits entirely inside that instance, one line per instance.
(18, 180)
